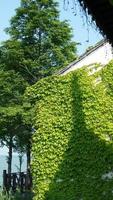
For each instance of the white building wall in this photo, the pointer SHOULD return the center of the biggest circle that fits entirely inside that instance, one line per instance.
(101, 55)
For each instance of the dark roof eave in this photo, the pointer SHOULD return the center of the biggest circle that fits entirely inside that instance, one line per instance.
(102, 13)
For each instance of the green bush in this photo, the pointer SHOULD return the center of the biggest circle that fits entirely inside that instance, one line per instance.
(15, 196)
(72, 147)
(4, 196)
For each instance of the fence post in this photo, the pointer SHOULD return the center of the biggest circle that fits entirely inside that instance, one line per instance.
(12, 181)
(14, 185)
(4, 180)
(21, 181)
(28, 181)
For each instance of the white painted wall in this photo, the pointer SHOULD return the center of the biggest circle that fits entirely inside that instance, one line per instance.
(101, 55)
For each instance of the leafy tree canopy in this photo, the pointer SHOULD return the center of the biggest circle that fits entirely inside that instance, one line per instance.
(40, 43)
(12, 87)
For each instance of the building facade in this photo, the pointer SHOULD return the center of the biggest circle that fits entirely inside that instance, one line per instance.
(101, 53)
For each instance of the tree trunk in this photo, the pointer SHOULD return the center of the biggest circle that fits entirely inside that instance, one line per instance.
(40, 37)
(10, 155)
(10, 161)
(28, 154)
(20, 162)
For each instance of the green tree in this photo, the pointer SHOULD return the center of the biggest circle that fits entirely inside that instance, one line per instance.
(12, 87)
(40, 43)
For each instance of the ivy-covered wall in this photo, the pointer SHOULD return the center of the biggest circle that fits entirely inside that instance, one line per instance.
(73, 144)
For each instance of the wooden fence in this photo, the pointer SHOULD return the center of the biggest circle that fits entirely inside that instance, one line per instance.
(14, 181)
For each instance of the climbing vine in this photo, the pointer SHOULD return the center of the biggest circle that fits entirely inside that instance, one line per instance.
(73, 147)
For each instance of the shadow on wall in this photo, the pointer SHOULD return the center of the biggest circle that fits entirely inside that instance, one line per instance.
(86, 172)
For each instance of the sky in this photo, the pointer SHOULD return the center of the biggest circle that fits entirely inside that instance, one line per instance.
(83, 33)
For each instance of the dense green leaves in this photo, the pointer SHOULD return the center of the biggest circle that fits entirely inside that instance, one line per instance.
(72, 147)
(40, 42)
(12, 87)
